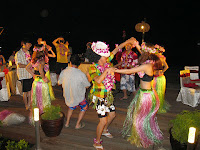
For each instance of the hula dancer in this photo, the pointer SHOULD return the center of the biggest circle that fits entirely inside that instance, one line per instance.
(159, 81)
(46, 50)
(103, 82)
(140, 124)
(40, 96)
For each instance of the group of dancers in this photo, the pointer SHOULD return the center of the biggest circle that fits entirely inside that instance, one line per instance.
(34, 74)
(140, 126)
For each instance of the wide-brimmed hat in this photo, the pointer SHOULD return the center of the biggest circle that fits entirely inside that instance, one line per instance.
(100, 48)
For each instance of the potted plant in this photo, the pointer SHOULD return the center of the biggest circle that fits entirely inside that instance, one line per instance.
(180, 128)
(52, 121)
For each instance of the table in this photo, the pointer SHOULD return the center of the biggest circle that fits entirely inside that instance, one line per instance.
(5, 91)
(189, 96)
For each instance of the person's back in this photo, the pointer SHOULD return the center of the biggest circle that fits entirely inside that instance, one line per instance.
(74, 83)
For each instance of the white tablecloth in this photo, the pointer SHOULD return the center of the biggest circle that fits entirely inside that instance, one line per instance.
(189, 96)
(5, 91)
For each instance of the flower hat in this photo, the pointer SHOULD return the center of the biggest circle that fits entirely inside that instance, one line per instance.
(100, 48)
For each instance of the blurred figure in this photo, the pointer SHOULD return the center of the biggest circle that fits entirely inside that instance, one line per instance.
(40, 95)
(74, 83)
(47, 48)
(62, 51)
(128, 60)
(2, 60)
(22, 59)
(11, 61)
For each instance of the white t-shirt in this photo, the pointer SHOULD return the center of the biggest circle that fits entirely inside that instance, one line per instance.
(74, 83)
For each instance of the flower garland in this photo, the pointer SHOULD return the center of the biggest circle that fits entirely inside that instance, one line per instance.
(142, 73)
(159, 48)
(100, 48)
(28, 57)
(61, 46)
(147, 49)
(39, 49)
(109, 79)
(46, 66)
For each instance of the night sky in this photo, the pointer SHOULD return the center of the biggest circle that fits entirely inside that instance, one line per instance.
(174, 25)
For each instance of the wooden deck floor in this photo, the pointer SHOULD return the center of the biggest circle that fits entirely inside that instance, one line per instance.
(83, 139)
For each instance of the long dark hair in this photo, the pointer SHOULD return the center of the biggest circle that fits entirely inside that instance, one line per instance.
(92, 56)
(149, 56)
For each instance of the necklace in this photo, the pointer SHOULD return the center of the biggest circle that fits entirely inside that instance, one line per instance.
(27, 56)
(109, 79)
(62, 49)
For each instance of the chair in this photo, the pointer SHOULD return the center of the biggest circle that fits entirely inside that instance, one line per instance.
(189, 93)
(194, 72)
(5, 91)
(184, 77)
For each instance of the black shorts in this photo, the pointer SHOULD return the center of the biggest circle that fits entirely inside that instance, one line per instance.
(60, 66)
(26, 84)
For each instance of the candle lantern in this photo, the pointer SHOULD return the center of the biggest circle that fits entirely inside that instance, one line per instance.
(142, 27)
(191, 135)
(191, 138)
(37, 127)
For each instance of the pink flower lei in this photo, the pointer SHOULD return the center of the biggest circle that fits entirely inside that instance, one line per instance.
(27, 56)
(46, 66)
(109, 79)
(159, 48)
(62, 52)
(144, 48)
(39, 49)
(141, 73)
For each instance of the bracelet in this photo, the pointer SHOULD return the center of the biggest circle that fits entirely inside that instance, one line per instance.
(119, 50)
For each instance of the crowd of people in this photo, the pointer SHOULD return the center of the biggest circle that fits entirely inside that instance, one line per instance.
(140, 126)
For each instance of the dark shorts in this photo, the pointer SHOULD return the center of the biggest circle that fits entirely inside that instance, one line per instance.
(82, 105)
(26, 84)
(60, 67)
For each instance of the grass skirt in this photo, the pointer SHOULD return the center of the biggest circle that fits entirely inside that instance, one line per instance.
(52, 96)
(40, 96)
(140, 124)
(159, 84)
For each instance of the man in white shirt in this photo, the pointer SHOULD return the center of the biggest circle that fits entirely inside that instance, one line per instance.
(74, 83)
(22, 59)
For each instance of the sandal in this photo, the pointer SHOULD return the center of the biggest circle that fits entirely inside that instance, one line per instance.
(107, 134)
(67, 126)
(98, 147)
(81, 126)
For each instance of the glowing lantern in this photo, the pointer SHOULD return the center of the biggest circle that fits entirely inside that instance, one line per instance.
(142, 27)
(191, 135)
(36, 114)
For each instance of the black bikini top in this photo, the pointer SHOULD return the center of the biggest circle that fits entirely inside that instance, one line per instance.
(147, 78)
(36, 72)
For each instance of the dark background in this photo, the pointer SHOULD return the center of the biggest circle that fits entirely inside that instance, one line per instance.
(174, 25)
